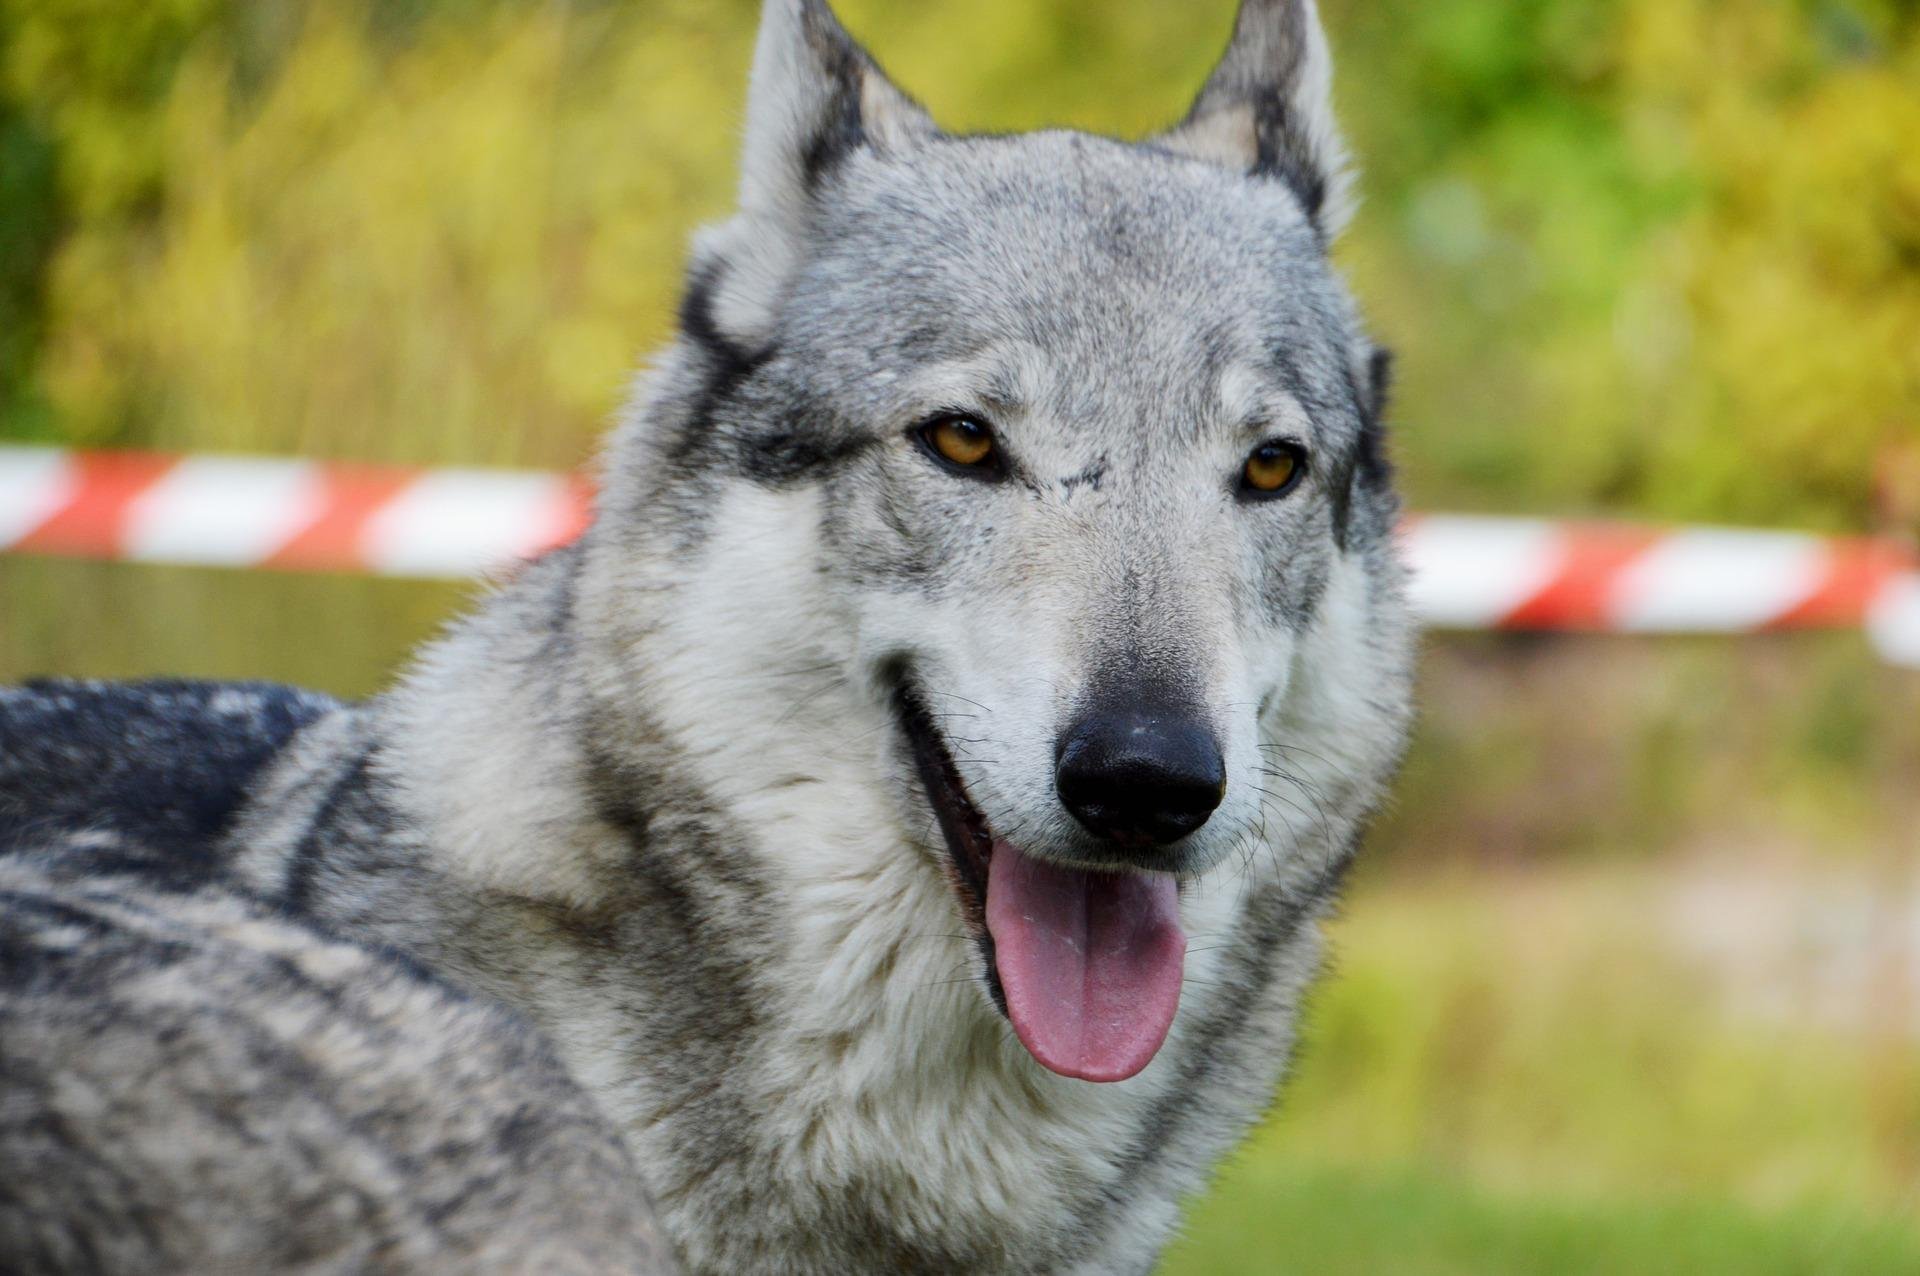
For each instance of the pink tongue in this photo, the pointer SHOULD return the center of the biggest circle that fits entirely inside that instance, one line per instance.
(1091, 962)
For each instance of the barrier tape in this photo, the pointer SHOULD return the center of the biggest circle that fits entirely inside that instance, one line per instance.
(1468, 572)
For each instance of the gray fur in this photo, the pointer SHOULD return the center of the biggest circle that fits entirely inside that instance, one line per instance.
(654, 794)
(194, 1083)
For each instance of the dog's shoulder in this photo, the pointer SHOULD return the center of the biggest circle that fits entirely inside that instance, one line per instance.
(163, 764)
(191, 1079)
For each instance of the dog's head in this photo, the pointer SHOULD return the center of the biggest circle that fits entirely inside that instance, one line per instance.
(1090, 441)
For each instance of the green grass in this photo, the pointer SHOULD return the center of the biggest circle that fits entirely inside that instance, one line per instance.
(1270, 1220)
(1526, 1073)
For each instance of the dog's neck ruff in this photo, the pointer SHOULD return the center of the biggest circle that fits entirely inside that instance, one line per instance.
(752, 964)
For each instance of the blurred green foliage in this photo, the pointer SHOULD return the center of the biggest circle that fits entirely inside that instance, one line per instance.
(1650, 256)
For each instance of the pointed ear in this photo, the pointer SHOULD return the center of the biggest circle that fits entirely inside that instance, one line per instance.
(1268, 109)
(815, 98)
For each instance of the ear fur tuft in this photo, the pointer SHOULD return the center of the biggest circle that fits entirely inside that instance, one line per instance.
(1268, 110)
(815, 97)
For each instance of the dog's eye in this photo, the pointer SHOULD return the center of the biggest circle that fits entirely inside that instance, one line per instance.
(961, 441)
(1273, 469)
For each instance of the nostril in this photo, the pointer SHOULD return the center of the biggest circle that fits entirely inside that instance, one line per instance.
(1138, 778)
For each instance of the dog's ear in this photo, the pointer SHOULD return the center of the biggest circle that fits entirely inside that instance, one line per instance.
(815, 99)
(1268, 110)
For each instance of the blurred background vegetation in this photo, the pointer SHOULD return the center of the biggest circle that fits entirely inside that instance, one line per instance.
(1629, 983)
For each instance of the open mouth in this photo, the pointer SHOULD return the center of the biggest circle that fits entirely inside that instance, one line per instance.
(1086, 964)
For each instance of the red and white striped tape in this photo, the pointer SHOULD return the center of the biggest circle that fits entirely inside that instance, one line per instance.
(1512, 573)
(1468, 572)
(246, 512)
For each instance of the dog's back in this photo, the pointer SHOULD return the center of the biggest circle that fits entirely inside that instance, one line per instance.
(190, 1080)
(163, 764)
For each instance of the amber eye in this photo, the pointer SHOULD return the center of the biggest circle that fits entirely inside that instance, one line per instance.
(1273, 469)
(961, 441)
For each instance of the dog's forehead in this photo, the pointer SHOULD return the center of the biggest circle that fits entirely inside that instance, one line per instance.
(1076, 242)
(1119, 288)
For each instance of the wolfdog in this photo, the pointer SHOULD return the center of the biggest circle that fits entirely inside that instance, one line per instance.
(907, 812)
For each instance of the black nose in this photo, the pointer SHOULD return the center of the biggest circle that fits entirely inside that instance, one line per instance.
(1139, 777)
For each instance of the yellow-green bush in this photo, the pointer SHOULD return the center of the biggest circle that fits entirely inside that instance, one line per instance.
(1652, 255)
